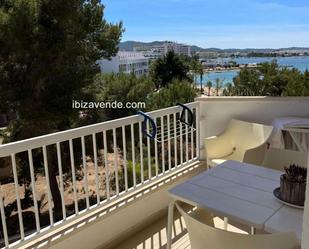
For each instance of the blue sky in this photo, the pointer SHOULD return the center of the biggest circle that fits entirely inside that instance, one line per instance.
(214, 23)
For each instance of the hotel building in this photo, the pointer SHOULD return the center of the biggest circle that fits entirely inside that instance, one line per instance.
(161, 50)
(126, 62)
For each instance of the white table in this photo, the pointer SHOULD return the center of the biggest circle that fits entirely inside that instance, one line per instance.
(241, 192)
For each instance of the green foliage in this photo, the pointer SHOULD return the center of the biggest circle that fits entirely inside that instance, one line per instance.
(218, 86)
(121, 88)
(176, 92)
(248, 83)
(49, 50)
(197, 69)
(228, 89)
(164, 70)
(129, 88)
(209, 86)
(138, 170)
(196, 66)
(269, 79)
(48, 55)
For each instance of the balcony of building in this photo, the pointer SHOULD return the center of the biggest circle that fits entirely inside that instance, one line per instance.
(113, 180)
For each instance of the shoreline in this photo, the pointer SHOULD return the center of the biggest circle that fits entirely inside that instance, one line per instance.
(221, 70)
(212, 92)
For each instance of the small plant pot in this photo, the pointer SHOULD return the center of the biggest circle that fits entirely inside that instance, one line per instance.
(292, 192)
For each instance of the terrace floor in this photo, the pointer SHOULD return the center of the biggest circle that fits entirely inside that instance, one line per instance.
(154, 236)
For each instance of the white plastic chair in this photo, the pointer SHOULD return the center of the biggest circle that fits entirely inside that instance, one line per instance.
(203, 236)
(278, 158)
(241, 141)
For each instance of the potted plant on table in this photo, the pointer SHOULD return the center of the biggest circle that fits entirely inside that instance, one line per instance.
(293, 185)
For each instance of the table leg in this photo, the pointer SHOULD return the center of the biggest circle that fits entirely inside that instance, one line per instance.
(170, 225)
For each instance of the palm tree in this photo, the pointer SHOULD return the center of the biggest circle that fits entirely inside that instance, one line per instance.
(209, 86)
(228, 90)
(200, 71)
(197, 68)
(218, 86)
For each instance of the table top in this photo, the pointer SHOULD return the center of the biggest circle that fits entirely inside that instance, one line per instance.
(244, 193)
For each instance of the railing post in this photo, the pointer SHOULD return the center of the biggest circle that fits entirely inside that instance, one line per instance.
(95, 155)
(61, 181)
(125, 157)
(175, 139)
(141, 151)
(156, 157)
(116, 161)
(106, 166)
(162, 144)
(73, 176)
(34, 195)
(3, 220)
(49, 195)
(85, 172)
(198, 139)
(16, 185)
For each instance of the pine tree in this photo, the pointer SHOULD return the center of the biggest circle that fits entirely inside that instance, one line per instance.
(48, 54)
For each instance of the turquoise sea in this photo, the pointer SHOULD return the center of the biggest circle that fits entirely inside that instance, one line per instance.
(299, 62)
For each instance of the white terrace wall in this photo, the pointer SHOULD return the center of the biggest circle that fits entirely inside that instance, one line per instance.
(216, 112)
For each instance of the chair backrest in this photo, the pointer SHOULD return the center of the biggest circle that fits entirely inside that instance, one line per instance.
(203, 236)
(278, 158)
(248, 135)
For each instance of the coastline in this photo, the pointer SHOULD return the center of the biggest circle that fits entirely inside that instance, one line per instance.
(226, 74)
(210, 92)
(221, 70)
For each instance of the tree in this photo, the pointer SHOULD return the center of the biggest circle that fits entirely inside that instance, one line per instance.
(228, 90)
(123, 89)
(209, 86)
(218, 86)
(295, 85)
(49, 50)
(201, 82)
(164, 70)
(247, 83)
(197, 68)
(176, 92)
(269, 79)
(306, 81)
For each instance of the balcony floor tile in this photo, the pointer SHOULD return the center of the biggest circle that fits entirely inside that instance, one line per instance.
(154, 236)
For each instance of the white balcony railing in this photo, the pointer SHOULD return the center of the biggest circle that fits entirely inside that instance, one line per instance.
(91, 166)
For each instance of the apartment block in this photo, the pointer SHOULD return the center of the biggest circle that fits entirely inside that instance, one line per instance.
(126, 62)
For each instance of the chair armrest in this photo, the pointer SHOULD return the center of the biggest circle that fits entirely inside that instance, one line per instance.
(218, 147)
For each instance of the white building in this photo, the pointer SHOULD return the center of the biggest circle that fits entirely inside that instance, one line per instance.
(161, 50)
(126, 62)
(182, 49)
(178, 48)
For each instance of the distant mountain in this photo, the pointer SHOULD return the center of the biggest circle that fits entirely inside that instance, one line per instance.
(129, 45)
